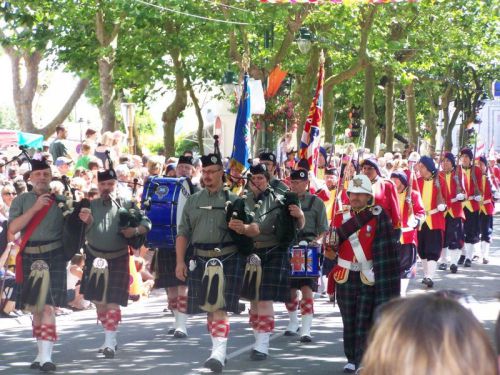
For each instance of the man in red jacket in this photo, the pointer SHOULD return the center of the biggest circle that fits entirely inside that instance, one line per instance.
(384, 190)
(454, 216)
(430, 235)
(487, 209)
(412, 214)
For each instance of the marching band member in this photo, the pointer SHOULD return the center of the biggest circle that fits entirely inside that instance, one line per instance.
(487, 209)
(271, 257)
(454, 216)
(216, 269)
(471, 176)
(412, 214)
(106, 276)
(40, 263)
(430, 234)
(316, 225)
(269, 160)
(384, 191)
(166, 262)
(367, 273)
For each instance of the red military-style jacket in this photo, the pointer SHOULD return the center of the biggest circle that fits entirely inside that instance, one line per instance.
(386, 197)
(429, 192)
(408, 233)
(452, 179)
(357, 250)
(465, 176)
(487, 206)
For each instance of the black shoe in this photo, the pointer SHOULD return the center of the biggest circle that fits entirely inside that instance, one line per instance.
(475, 258)
(108, 353)
(485, 261)
(48, 367)
(291, 333)
(453, 268)
(171, 331)
(461, 260)
(305, 338)
(443, 267)
(214, 365)
(101, 350)
(180, 335)
(241, 308)
(467, 263)
(35, 366)
(257, 356)
(428, 282)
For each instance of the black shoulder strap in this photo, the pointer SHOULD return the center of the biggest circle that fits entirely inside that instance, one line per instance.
(354, 224)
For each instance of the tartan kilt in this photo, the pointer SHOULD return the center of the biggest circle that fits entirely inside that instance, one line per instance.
(57, 269)
(164, 269)
(118, 281)
(233, 277)
(275, 284)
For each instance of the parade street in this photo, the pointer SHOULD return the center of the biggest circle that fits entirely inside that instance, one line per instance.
(145, 347)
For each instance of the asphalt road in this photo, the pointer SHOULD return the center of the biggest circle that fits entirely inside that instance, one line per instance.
(145, 347)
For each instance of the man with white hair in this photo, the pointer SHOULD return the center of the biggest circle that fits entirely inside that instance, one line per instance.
(367, 273)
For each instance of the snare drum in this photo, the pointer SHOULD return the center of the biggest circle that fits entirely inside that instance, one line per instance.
(304, 261)
(163, 200)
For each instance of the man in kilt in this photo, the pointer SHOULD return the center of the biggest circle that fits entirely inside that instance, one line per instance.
(106, 275)
(412, 212)
(215, 287)
(165, 265)
(316, 225)
(367, 273)
(271, 257)
(40, 263)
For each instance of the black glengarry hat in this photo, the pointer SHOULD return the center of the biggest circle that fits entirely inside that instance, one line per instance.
(185, 160)
(210, 159)
(108, 174)
(299, 174)
(267, 156)
(38, 165)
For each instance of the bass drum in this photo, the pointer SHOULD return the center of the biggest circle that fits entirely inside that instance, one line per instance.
(163, 201)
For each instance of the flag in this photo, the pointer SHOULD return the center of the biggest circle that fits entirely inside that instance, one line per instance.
(309, 143)
(239, 155)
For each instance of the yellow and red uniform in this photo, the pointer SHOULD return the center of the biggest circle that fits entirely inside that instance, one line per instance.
(455, 207)
(487, 205)
(429, 191)
(466, 177)
(409, 234)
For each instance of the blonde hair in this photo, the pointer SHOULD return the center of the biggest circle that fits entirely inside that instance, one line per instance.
(154, 166)
(107, 139)
(428, 335)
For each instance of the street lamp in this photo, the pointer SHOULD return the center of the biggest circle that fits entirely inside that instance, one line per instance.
(304, 40)
(128, 114)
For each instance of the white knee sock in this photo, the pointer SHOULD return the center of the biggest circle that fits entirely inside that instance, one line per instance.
(431, 267)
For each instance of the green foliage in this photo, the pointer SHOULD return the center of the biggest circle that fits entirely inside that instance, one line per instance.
(8, 118)
(182, 144)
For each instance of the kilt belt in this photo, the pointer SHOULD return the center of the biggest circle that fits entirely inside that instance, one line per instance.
(265, 244)
(216, 252)
(43, 248)
(355, 266)
(96, 253)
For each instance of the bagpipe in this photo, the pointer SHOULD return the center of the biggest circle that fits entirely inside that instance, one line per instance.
(129, 217)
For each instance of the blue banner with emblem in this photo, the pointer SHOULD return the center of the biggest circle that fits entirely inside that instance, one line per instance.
(239, 155)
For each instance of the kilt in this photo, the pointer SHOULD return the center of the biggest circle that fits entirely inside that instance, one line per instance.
(57, 269)
(471, 227)
(275, 284)
(454, 233)
(118, 281)
(357, 304)
(165, 261)
(233, 277)
(430, 243)
(311, 282)
(485, 226)
(408, 260)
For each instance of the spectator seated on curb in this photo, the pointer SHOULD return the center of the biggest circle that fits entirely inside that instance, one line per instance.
(74, 279)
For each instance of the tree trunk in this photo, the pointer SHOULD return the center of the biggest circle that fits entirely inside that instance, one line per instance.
(432, 122)
(445, 105)
(175, 108)
(24, 93)
(107, 42)
(328, 106)
(199, 116)
(389, 110)
(411, 114)
(369, 108)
